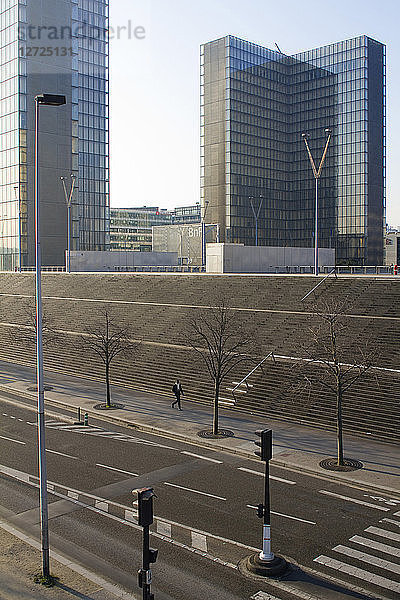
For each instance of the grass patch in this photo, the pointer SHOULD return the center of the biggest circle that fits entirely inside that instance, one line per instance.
(47, 581)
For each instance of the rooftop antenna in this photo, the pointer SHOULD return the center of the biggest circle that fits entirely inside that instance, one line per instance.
(279, 50)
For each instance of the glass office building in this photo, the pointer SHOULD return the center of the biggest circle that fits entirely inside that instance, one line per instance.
(255, 171)
(60, 49)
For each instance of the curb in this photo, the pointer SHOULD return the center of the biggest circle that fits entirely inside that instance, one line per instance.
(203, 443)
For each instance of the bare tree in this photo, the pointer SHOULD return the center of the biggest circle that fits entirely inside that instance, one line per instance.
(215, 336)
(108, 339)
(330, 346)
(26, 332)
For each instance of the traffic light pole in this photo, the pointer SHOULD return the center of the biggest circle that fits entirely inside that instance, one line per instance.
(147, 595)
(145, 519)
(266, 553)
(265, 563)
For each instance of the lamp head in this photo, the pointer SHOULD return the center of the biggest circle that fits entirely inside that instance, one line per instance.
(305, 136)
(50, 99)
(328, 130)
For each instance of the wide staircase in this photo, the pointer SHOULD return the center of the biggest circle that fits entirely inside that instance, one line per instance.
(157, 308)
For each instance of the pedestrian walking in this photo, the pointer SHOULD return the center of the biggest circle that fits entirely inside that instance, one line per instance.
(178, 391)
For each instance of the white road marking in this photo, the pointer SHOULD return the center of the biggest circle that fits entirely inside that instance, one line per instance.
(359, 573)
(130, 516)
(263, 596)
(118, 470)
(390, 521)
(397, 514)
(263, 474)
(358, 539)
(194, 491)
(11, 417)
(30, 423)
(5, 415)
(101, 505)
(62, 454)
(383, 533)
(199, 541)
(354, 500)
(388, 501)
(286, 516)
(11, 440)
(368, 558)
(21, 420)
(72, 494)
(202, 457)
(164, 528)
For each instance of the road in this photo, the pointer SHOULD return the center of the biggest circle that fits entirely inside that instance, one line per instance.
(205, 509)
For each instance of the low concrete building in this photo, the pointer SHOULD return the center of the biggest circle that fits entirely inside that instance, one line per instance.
(120, 261)
(237, 258)
(392, 248)
(183, 239)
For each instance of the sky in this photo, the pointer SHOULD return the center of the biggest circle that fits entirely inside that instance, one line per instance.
(154, 82)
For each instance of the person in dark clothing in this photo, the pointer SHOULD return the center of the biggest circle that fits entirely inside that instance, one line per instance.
(178, 391)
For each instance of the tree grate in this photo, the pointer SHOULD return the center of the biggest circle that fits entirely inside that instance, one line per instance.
(349, 464)
(222, 433)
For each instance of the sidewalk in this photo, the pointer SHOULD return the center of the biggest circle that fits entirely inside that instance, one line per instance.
(295, 446)
(19, 562)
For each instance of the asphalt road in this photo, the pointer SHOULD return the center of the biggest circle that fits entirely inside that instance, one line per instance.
(202, 496)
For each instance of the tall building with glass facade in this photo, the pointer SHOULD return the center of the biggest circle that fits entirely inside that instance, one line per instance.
(255, 105)
(56, 47)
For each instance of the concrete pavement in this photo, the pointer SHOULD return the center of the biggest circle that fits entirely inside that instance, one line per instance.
(295, 446)
(20, 560)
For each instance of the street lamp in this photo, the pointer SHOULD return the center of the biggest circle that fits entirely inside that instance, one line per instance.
(317, 174)
(41, 100)
(68, 201)
(18, 198)
(256, 214)
(203, 233)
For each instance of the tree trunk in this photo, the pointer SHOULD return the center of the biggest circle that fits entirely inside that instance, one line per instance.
(216, 397)
(108, 398)
(339, 424)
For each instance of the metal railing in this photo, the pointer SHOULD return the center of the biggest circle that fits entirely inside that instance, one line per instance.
(318, 284)
(161, 269)
(44, 269)
(340, 270)
(244, 380)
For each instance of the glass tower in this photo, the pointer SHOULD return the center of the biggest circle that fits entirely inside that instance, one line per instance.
(255, 105)
(53, 47)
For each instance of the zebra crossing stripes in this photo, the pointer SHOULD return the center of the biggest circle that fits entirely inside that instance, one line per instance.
(383, 533)
(368, 558)
(373, 553)
(358, 539)
(359, 573)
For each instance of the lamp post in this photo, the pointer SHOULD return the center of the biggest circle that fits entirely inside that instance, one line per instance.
(68, 201)
(256, 214)
(203, 233)
(18, 198)
(41, 100)
(317, 175)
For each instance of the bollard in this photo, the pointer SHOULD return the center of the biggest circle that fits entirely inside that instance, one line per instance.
(86, 420)
(79, 414)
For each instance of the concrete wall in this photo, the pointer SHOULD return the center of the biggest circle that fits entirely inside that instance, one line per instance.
(185, 239)
(237, 258)
(109, 261)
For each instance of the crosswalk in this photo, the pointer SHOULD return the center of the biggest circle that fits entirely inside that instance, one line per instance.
(91, 430)
(373, 557)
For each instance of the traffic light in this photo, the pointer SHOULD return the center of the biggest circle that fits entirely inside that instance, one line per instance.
(265, 444)
(145, 506)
